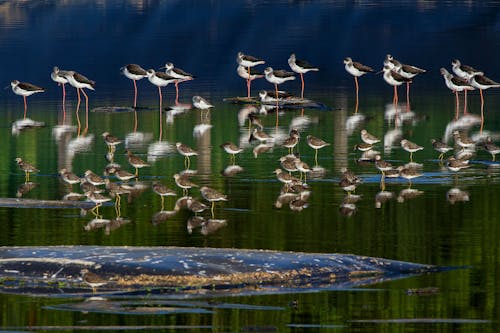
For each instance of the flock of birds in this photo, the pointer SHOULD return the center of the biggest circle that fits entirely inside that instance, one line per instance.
(293, 171)
(295, 191)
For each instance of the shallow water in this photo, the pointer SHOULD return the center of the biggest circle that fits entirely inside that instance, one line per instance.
(97, 38)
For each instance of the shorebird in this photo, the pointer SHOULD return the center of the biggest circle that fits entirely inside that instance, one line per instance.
(123, 175)
(184, 183)
(288, 163)
(368, 138)
(111, 141)
(464, 71)
(356, 69)
(249, 74)
(382, 165)
(69, 177)
(187, 152)
(93, 179)
(159, 79)
(410, 147)
(348, 180)
(482, 82)
(179, 75)
(25, 89)
(301, 67)
(116, 190)
(92, 279)
(491, 148)
(80, 82)
(58, 76)
(136, 162)
(269, 96)
(201, 103)
(456, 165)
(408, 173)
(277, 77)
(212, 196)
(291, 141)
(303, 168)
(163, 192)
(261, 136)
(316, 144)
(98, 199)
(441, 148)
(195, 206)
(134, 72)
(463, 140)
(407, 71)
(26, 168)
(394, 79)
(456, 84)
(231, 149)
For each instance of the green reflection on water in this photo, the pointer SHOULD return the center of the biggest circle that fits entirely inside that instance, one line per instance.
(427, 229)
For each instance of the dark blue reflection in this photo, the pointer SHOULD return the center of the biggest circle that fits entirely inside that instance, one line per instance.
(203, 37)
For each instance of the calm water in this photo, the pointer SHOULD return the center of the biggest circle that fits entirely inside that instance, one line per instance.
(97, 38)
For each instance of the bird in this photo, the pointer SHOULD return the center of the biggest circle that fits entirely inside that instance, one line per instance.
(277, 77)
(408, 173)
(441, 148)
(303, 168)
(184, 183)
(382, 165)
(348, 180)
(160, 79)
(455, 165)
(26, 167)
(212, 196)
(248, 61)
(93, 179)
(407, 71)
(116, 190)
(69, 177)
(80, 82)
(98, 199)
(187, 152)
(58, 76)
(394, 79)
(111, 141)
(491, 148)
(288, 163)
(162, 191)
(464, 71)
(231, 149)
(410, 147)
(92, 279)
(253, 119)
(356, 69)
(284, 177)
(316, 144)
(136, 162)
(368, 138)
(456, 84)
(202, 104)
(196, 206)
(463, 141)
(179, 75)
(25, 89)
(261, 136)
(482, 82)
(269, 96)
(249, 74)
(301, 67)
(291, 141)
(134, 72)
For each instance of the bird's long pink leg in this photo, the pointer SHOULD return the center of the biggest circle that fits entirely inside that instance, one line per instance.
(248, 87)
(357, 88)
(465, 101)
(135, 94)
(176, 91)
(64, 102)
(77, 111)
(407, 96)
(456, 105)
(25, 106)
(302, 80)
(276, 88)
(482, 111)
